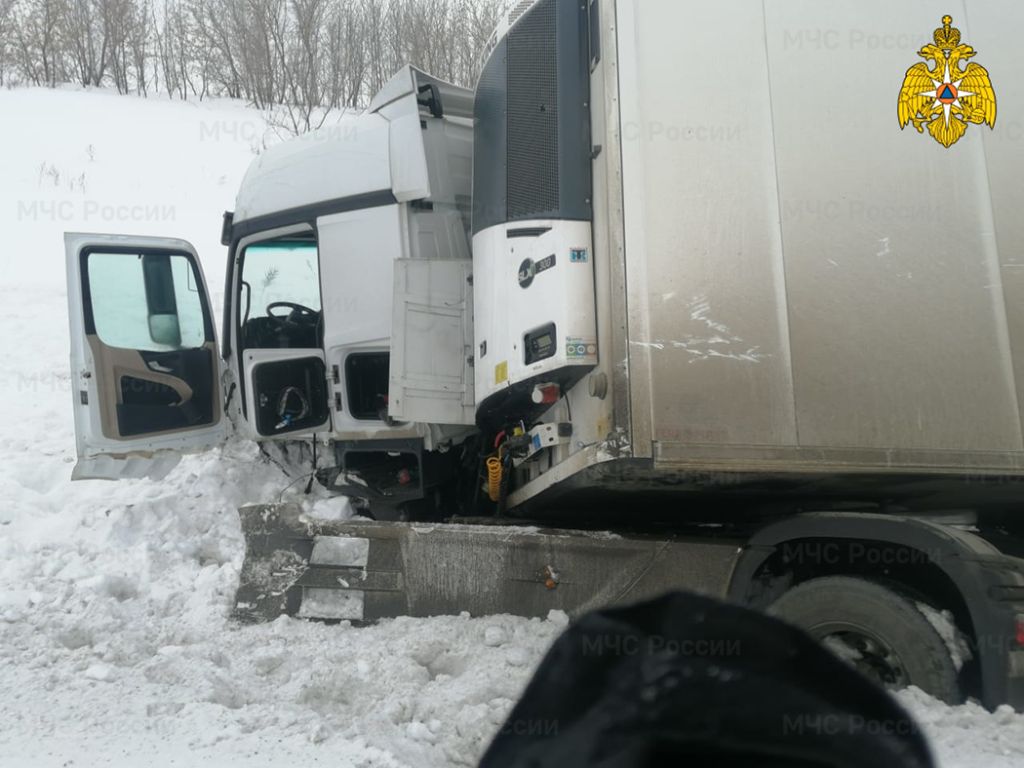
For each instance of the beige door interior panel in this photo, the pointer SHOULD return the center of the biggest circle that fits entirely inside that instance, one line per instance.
(112, 363)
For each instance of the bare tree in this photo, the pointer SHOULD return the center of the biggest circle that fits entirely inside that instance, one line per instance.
(83, 30)
(476, 21)
(373, 13)
(37, 40)
(117, 17)
(298, 60)
(6, 33)
(305, 78)
(353, 32)
(262, 26)
(140, 34)
(218, 47)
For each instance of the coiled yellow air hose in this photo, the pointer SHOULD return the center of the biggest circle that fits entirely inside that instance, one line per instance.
(494, 475)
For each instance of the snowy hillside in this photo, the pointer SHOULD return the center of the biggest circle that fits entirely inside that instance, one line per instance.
(114, 643)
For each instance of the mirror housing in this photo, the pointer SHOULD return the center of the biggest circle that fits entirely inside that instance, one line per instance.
(165, 329)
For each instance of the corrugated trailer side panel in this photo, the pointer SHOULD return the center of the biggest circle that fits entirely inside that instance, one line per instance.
(810, 286)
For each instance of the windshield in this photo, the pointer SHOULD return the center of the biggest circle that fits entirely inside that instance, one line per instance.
(279, 271)
(279, 296)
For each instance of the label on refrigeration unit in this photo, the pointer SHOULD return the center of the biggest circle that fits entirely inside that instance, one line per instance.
(580, 349)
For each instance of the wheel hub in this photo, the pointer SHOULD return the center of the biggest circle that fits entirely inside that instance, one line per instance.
(868, 654)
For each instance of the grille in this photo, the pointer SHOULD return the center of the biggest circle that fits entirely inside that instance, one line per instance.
(533, 114)
(490, 152)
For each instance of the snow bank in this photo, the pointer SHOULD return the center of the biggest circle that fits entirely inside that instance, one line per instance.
(115, 647)
(968, 736)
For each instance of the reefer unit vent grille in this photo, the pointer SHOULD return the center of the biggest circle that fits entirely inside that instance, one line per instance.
(531, 138)
(533, 166)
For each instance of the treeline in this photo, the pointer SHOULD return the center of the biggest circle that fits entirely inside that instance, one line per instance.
(310, 56)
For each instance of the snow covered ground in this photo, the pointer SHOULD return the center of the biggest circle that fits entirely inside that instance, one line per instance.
(115, 648)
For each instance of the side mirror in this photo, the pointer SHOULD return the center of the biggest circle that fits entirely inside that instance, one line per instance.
(162, 307)
(165, 329)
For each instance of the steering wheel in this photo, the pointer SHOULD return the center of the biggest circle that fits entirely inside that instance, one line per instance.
(298, 313)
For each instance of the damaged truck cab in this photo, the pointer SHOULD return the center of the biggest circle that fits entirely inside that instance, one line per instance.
(342, 241)
(363, 335)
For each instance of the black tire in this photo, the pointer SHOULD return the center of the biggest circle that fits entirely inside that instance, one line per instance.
(896, 644)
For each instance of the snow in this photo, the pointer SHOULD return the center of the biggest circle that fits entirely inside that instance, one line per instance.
(968, 736)
(331, 509)
(115, 644)
(942, 621)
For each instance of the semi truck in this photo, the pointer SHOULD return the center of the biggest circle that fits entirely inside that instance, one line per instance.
(723, 296)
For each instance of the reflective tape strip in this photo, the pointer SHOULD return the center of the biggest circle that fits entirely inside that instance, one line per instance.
(340, 551)
(331, 604)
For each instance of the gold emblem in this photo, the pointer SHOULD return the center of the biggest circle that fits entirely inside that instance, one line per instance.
(948, 97)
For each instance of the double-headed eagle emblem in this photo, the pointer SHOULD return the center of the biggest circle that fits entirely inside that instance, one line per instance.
(950, 96)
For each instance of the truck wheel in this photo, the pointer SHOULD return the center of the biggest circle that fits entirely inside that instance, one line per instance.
(879, 631)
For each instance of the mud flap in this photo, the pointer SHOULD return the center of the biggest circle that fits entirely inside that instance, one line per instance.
(362, 571)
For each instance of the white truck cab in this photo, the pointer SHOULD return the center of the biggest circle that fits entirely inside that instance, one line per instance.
(338, 239)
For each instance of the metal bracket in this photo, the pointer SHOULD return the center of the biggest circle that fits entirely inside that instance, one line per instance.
(546, 436)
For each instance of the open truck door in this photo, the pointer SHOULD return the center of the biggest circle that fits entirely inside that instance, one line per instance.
(144, 366)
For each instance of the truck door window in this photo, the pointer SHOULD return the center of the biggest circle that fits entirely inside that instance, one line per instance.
(145, 302)
(153, 342)
(280, 295)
